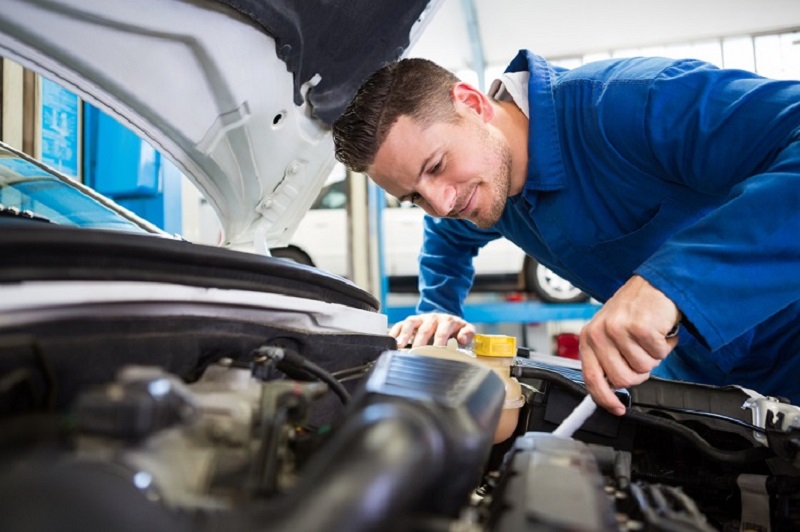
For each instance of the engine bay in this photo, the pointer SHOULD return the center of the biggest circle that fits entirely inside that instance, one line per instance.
(281, 438)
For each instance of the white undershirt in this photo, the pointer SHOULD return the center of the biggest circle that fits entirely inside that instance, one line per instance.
(512, 87)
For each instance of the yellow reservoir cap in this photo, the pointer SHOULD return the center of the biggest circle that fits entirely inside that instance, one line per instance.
(494, 345)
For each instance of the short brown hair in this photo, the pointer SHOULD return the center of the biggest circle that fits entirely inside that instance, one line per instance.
(418, 88)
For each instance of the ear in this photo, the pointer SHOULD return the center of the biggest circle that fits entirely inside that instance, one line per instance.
(469, 99)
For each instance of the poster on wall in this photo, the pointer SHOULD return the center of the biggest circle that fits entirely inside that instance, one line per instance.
(60, 127)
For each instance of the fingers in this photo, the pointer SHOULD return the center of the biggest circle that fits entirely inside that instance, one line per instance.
(605, 368)
(425, 331)
(405, 330)
(626, 340)
(436, 327)
(619, 355)
(596, 384)
(625, 351)
(466, 334)
(451, 327)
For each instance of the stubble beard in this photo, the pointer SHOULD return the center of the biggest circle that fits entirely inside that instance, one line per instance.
(498, 184)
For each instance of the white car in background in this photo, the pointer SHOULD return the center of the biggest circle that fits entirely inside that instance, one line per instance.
(321, 238)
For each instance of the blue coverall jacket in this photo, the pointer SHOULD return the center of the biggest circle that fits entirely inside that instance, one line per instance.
(680, 172)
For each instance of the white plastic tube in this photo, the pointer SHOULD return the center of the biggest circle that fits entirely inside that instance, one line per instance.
(576, 418)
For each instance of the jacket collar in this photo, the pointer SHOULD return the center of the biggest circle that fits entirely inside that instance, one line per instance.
(545, 164)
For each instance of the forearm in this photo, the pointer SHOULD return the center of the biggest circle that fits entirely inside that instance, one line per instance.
(445, 264)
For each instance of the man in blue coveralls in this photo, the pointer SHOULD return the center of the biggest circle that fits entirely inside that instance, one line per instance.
(669, 190)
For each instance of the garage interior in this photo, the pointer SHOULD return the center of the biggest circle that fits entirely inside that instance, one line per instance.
(474, 39)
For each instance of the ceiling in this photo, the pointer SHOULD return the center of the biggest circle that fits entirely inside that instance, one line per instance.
(563, 28)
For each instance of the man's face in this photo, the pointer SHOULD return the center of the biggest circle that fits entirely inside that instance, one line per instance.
(458, 170)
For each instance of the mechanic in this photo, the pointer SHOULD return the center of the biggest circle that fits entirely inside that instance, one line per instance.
(669, 190)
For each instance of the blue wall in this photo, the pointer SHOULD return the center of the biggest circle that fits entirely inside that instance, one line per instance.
(126, 169)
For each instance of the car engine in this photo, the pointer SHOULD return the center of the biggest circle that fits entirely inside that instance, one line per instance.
(398, 441)
(209, 390)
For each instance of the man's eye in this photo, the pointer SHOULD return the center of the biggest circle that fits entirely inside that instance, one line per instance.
(436, 168)
(414, 198)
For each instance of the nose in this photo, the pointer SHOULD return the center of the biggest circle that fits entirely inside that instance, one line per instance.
(441, 197)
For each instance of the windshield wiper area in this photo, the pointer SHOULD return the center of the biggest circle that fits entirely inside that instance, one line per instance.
(16, 212)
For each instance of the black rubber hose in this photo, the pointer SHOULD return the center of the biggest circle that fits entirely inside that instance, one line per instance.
(337, 387)
(745, 456)
(294, 360)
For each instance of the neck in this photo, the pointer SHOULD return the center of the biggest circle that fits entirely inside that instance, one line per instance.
(513, 124)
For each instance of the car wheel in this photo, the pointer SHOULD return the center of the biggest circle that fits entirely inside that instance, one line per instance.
(548, 286)
(293, 254)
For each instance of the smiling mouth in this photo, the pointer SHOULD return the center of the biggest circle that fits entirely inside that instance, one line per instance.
(460, 213)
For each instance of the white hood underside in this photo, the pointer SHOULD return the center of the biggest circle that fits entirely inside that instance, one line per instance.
(198, 82)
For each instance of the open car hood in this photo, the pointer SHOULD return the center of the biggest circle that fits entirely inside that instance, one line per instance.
(239, 94)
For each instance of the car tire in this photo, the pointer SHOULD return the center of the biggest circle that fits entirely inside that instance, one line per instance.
(548, 286)
(293, 254)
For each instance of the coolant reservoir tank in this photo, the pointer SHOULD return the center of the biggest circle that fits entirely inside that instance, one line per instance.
(497, 352)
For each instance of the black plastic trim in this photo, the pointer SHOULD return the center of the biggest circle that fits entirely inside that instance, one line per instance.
(342, 41)
(67, 253)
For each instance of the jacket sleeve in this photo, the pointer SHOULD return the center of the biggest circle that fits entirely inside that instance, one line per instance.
(446, 272)
(735, 136)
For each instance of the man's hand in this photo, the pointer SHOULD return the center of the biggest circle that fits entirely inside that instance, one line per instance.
(418, 330)
(625, 340)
